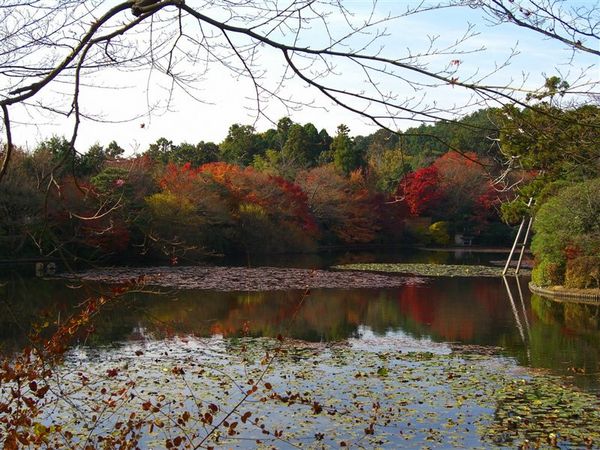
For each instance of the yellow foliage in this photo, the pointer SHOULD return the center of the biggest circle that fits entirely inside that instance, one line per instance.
(170, 207)
(439, 233)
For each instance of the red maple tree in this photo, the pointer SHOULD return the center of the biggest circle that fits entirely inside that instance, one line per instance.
(421, 190)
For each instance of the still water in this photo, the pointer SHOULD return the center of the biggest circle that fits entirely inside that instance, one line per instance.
(488, 312)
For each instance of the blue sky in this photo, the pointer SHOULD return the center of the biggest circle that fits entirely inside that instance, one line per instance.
(226, 99)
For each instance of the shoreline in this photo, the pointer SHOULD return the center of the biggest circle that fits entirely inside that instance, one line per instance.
(561, 293)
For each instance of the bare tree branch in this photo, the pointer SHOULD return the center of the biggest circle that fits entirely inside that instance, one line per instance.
(44, 44)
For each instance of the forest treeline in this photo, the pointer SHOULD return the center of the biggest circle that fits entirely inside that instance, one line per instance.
(296, 188)
(289, 188)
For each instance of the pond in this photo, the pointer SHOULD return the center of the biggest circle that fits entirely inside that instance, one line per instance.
(439, 362)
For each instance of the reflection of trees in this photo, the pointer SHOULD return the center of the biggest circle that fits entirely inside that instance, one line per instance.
(472, 311)
(438, 310)
(382, 314)
(25, 302)
(202, 313)
(565, 335)
(580, 318)
(325, 315)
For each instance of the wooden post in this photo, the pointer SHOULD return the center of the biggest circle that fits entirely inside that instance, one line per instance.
(523, 246)
(39, 269)
(512, 250)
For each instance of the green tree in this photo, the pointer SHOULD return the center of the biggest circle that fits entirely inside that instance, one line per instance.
(548, 146)
(477, 132)
(296, 150)
(360, 146)
(20, 206)
(270, 163)
(112, 183)
(196, 155)
(346, 156)
(563, 143)
(241, 145)
(302, 146)
(92, 161)
(387, 168)
(271, 139)
(161, 151)
(317, 143)
(114, 150)
(60, 155)
(283, 128)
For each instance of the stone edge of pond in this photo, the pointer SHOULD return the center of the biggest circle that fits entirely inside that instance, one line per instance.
(418, 269)
(561, 293)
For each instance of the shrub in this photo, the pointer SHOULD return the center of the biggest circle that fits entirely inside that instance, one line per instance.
(439, 233)
(583, 272)
(566, 226)
(548, 273)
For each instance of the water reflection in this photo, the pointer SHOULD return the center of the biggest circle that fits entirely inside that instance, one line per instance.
(571, 330)
(519, 311)
(483, 311)
(325, 259)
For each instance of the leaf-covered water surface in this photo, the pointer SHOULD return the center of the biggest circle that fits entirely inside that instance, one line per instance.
(246, 279)
(431, 270)
(263, 393)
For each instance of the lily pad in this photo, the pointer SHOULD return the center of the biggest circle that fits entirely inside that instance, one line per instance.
(265, 393)
(430, 270)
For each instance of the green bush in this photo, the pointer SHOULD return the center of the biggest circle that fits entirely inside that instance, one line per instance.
(583, 272)
(512, 212)
(566, 227)
(547, 273)
(439, 233)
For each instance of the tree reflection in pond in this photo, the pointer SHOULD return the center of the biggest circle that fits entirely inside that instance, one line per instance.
(542, 333)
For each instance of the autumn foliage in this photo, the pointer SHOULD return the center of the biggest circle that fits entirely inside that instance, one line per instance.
(343, 207)
(421, 190)
(456, 189)
(224, 207)
(157, 204)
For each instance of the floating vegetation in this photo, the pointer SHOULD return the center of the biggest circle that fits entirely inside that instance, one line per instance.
(264, 393)
(430, 270)
(242, 278)
(543, 411)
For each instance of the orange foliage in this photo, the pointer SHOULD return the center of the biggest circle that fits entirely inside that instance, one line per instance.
(259, 207)
(282, 200)
(342, 207)
(178, 179)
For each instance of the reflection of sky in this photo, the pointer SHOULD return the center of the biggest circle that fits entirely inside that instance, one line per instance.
(413, 396)
(228, 99)
(396, 340)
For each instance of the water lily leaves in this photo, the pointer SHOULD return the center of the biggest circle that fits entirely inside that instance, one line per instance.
(430, 270)
(316, 396)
